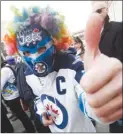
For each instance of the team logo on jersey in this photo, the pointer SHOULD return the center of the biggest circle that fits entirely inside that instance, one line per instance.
(40, 67)
(52, 111)
(56, 110)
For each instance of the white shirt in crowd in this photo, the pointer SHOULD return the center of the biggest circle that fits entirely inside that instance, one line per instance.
(9, 91)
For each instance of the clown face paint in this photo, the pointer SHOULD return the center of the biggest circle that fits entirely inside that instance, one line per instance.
(36, 47)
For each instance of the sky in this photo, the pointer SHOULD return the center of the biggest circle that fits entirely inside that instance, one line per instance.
(76, 12)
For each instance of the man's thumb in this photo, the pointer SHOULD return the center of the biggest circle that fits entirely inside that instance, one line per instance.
(92, 38)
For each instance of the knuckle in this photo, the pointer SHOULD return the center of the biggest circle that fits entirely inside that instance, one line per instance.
(99, 113)
(116, 64)
(105, 120)
(85, 84)
(93, 102)
(118, 84)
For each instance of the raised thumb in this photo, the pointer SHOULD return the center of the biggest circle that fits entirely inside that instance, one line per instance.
(92, 38)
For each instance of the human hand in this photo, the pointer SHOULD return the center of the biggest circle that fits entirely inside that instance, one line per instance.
(102, 81)
(47, 119)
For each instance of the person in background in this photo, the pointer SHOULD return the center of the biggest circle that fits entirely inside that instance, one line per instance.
(6, 126)
(111, 37)
(11, 115)
(10, 93)
(111, 44)
(78, 44)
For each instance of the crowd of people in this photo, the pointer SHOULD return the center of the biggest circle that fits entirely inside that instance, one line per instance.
(66, 85)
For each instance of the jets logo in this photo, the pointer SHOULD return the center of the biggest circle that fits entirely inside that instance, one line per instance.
(52, 111)
(29, 36)
(40, 67)
(56, 110)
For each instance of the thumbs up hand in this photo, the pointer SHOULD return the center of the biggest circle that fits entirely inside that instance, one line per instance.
(102, 81)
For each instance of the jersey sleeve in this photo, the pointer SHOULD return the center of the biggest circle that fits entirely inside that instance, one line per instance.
(84, 106)
(6, 74)
(69, 61)
(78, 67)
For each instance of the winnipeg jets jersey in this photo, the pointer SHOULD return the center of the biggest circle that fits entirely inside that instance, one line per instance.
(61, 95)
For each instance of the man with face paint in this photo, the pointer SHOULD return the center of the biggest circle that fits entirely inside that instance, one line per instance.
(67, 95)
